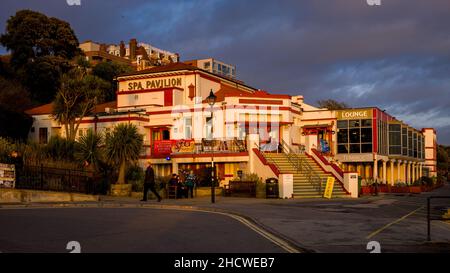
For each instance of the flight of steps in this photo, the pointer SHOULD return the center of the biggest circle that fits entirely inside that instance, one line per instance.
(302, 187)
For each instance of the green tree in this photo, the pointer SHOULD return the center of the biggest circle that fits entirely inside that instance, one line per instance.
(77, 97)
(332, 104)
(108, 71)
(123, 145)
(30, 34)
(41, 48)
(42, 77)
(89, 149)
(443, 160)
(14, 99)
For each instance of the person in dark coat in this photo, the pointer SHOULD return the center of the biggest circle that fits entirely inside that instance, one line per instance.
(149, 183)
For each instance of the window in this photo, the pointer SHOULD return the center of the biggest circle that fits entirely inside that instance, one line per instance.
(43, 135)
(366, 135)
(208, 128)
(342, 124)
(354, 136)
(395, 139)
(343, 136)
(188, 128)
(410, 144)
(404, 141)
(415, 144)
(207, 65)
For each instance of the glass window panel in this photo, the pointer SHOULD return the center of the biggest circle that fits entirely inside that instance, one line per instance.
(354, 135)
(395, 127)
(366, 135)
(343, 149)
(366, 123)
(343, 136)
(342, 124)
(394, 138)
(366, 148)
(355, 148)
(395, 150)
(354, 123)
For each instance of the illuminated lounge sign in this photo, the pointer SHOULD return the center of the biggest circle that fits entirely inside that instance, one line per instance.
(354, 114)
(154, 84)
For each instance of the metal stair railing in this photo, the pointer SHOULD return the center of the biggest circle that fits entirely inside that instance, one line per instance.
(302, 166)
(269, 159)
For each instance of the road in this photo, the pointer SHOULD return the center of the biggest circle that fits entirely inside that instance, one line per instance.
(127, 230)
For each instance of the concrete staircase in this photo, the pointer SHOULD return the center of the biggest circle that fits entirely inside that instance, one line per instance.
(303, 188)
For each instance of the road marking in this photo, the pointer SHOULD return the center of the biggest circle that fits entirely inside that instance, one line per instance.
(278, 241)
(274, 239)
(269, 236)
(392, 223)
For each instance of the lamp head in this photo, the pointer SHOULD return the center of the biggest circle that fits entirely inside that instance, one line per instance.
(211, 99)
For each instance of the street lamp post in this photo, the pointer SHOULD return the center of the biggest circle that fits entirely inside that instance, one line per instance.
(211, 99)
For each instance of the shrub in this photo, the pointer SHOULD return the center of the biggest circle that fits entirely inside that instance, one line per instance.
(135, 176)
(441, 179)
(6, 147)
(401, 184)
(59, 148)
(427, 180)
(249, 177)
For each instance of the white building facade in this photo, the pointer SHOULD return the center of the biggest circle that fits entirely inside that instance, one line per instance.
(182, 131)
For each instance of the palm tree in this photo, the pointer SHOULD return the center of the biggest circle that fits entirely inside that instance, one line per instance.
(123, 145)
(89, 150)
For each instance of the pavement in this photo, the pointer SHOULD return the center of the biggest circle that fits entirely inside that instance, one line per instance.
(396, 221)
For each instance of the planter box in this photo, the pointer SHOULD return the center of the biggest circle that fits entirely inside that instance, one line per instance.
(399, 190)
(206, 191)
(367, 190)
(415, 189)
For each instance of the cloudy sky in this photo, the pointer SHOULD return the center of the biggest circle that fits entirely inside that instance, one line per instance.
(395, 56)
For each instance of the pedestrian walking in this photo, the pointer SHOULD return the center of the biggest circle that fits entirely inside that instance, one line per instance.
(149, 182)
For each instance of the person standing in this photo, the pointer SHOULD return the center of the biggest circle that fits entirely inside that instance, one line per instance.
(190, 182)
(149, 183)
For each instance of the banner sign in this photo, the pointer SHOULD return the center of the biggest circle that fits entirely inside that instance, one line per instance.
(162, 147)
(166, 147)
(354, 114)
(329, 188)
(183, 146)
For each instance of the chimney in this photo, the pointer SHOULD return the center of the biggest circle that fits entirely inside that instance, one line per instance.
(103, 47)
(133, 47)
(122, 50)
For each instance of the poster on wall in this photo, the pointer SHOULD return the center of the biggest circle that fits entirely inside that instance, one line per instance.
(7, 176)
(183, 146)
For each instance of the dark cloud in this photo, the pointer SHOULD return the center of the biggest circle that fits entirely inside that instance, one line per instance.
(395, 56)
